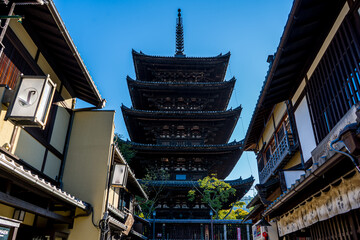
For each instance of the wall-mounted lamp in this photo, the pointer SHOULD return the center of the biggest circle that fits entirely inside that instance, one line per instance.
(120, 175)
(31, 102)
(19, 215)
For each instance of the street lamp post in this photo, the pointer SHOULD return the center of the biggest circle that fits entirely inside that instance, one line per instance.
(154, 215)
(212, 225)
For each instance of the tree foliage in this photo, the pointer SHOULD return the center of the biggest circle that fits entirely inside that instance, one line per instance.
(155, 193)
(214, 192)
(127, 152)
(236, 212)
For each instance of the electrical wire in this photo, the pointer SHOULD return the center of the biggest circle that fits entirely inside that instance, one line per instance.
(246, 153)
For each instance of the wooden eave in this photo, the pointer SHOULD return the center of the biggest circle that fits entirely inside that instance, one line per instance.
(137, 120)
(46, 28)
(145, 63)
(193, 148)
(306, 29)
(137, 88)
(255, 213)
(237, 183)
(242, 186)
(33, 194)
(232, 151)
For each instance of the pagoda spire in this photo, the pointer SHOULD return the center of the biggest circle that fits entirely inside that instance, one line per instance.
(179, 52)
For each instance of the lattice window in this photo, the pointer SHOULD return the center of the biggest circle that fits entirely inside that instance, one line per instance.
(12, 64)
(334, 86)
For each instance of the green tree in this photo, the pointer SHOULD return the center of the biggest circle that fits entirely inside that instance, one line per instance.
(127, 152)
(154, 192)
(214, 192)
(235, 212)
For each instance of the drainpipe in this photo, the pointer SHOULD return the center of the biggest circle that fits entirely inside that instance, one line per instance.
(67, 143)
(104, 222)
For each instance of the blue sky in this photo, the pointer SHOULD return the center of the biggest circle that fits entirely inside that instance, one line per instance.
(106, 31)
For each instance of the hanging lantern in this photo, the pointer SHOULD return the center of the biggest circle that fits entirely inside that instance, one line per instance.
(31, 103)
(120, 175)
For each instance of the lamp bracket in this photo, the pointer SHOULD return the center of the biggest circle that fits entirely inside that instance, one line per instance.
(8, 96)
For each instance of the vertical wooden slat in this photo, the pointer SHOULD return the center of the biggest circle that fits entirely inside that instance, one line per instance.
(350, 39)
(319, 231)
(328, 95)
(330, 229)
(336, 229)
(353, 228)
(357, 220)
(352, 35)
(337, 81)
(341, 232)
(332, 86)
(322, 230)
(343, 229)
(346, 226)
(346, 62)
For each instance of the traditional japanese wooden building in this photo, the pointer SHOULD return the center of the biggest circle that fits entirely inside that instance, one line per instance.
(179, 122)
(305, 127)
(55, 157)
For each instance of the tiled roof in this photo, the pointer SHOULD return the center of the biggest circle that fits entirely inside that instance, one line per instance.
(172, 57)
(18, 171)
(233, 183)
(237, 144)
(276, 203)
(214, 114)
(132, 81)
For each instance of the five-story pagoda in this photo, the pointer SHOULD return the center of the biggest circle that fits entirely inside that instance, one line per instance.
(179, 122)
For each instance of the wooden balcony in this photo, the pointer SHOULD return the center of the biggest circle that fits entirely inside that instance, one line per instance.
(282, 153)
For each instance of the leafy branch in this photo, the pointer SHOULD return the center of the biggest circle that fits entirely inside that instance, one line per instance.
(214, 192)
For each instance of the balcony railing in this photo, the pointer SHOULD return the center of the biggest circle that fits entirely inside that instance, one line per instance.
(282, 151)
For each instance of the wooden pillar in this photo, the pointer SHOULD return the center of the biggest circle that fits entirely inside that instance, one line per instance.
(225, 233)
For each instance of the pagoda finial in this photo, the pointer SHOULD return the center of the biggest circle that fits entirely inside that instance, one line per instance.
(179, 52)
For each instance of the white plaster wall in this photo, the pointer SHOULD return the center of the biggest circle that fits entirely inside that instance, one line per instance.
(305, 129)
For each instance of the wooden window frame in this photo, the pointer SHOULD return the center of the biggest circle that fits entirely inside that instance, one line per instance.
(334, 87)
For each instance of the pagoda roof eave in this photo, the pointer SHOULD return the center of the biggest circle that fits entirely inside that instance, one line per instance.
(176, 183)
(134, 117)
(190, 148)
(222, 60)
(229, 152)
(170, 114)
(220, 56)
(137, 88)
(156, 85)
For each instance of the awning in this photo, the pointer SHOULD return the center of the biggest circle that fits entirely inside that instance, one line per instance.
(19, 172)
(337, 198)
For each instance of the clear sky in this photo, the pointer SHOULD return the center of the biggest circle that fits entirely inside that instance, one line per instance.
(106, 31)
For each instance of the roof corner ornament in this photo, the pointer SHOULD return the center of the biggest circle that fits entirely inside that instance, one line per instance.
(179, 52)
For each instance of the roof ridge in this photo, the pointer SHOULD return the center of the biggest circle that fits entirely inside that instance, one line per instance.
(226, 55)
(233, 79)
(237, 109)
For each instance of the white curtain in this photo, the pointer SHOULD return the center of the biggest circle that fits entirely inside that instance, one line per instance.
(336, 199)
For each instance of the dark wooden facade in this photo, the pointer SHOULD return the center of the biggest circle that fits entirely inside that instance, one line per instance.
(316, 72)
